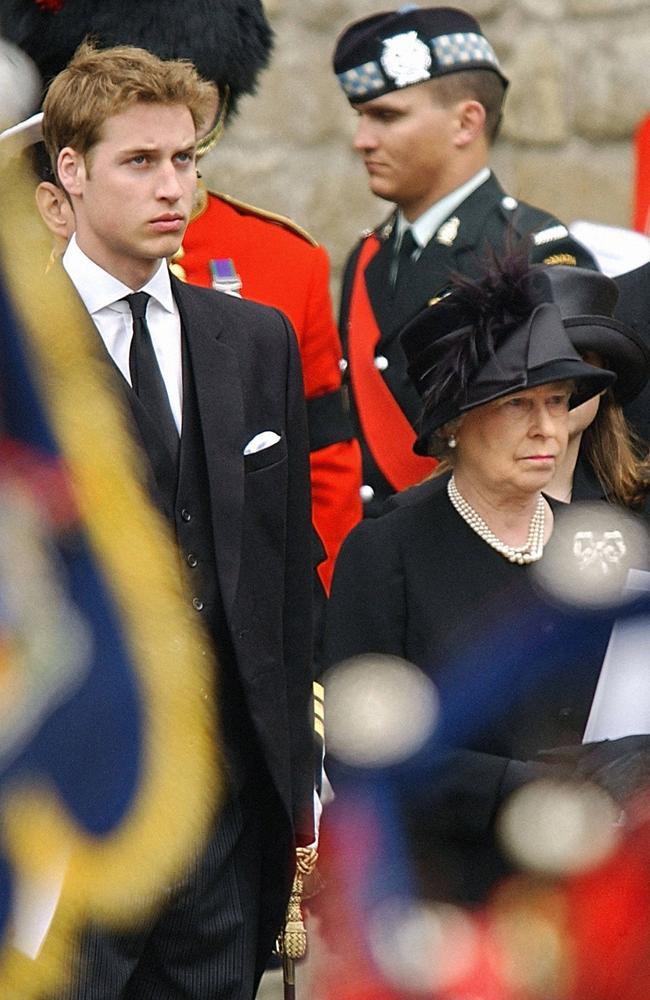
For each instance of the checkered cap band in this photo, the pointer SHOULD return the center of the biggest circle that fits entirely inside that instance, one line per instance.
(461, 48)
(362, 80)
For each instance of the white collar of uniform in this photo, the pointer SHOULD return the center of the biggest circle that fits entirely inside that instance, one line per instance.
(430, 221)
(98, 289)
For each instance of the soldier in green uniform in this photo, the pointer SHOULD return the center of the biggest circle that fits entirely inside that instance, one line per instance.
(428, 91)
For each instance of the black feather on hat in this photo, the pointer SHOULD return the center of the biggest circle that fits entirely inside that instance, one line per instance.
(229, 41)
(490, 337)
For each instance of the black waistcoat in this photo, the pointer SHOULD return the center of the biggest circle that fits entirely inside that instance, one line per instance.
(186, 502)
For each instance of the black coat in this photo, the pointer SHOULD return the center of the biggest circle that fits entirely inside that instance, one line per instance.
(633, 308)
(486, 219)
(248, 379)
(515, 672)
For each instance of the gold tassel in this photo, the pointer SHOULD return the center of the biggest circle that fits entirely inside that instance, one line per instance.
(293, 940)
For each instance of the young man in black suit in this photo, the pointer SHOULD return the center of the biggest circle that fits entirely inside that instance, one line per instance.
(214, 390)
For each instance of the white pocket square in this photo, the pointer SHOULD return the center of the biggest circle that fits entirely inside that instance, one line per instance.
(261, 441)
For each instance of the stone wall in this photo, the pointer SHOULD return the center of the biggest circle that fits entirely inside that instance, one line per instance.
(580, 83)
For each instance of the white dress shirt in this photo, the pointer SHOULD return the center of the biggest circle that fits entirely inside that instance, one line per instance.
(427, 224)
(101, 294)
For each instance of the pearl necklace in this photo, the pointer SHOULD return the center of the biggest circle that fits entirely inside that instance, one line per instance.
(521, 554)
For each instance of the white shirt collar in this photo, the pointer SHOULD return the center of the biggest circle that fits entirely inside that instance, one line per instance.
(430, 221)
(98, 289)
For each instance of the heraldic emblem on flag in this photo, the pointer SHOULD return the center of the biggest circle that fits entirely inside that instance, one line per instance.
(108, 778)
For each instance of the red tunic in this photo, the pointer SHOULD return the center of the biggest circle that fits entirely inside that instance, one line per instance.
(280, 265)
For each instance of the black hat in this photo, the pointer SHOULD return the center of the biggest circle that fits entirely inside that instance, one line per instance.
(393, 50)
(586, 300)
(487, 339)
(229, 41)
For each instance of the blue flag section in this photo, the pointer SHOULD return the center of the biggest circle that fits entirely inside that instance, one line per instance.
(108, 746)
(81, 701)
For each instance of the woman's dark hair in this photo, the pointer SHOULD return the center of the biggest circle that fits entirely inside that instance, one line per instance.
(616, 455)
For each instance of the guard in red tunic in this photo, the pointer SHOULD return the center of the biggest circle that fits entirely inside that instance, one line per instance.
(232, 247)
(247, 251)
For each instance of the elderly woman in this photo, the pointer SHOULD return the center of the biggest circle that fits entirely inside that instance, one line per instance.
(604, 459)
(445, 581)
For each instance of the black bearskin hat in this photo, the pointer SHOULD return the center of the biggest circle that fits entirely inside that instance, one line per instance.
(229, 41)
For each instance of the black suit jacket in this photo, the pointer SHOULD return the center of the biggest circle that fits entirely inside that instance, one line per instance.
(247, 377)
(633, 308)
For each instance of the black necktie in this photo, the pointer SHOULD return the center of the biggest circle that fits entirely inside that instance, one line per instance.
(404, 256)
(146, 378)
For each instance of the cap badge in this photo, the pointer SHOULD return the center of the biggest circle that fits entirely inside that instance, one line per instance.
(406, 59)
(448, 231)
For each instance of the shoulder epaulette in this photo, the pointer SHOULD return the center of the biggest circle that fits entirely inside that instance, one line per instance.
(263, 213)
(550, 235)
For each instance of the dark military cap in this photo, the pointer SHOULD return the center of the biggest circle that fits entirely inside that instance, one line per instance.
(389, 51)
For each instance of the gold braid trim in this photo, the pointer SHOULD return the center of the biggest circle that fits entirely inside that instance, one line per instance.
(261, 213)
(568, 259)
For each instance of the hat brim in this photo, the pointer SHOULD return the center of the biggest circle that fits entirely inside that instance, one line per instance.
(621, 349)
(589, 381)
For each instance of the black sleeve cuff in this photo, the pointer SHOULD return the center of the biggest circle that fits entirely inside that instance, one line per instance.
(328, 420)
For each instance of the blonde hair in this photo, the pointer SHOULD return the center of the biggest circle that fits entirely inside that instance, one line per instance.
(100, 83)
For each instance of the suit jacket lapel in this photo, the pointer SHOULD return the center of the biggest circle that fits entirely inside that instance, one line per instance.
(218, 391)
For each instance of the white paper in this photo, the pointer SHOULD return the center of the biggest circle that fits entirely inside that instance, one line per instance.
(621, 705)
(616, 249)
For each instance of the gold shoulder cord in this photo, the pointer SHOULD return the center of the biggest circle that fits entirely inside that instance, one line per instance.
(568, 259)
